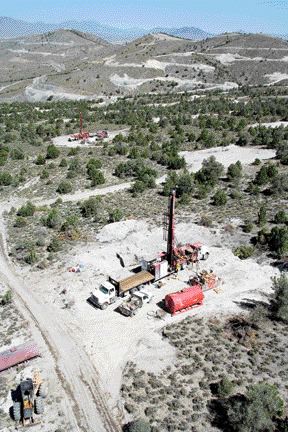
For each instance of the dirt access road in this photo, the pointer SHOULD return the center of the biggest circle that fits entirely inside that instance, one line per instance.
(84, 400)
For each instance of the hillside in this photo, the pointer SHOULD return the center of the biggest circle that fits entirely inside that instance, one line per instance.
(71, 64)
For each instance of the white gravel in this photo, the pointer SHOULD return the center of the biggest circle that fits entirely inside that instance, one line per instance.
(227, 155)
(276, 77)
(132, 83)
(272, 124)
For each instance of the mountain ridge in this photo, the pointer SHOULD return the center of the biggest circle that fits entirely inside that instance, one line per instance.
(10, 27)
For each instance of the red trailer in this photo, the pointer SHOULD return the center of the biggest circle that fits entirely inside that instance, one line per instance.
(19, 354)
(184, 300)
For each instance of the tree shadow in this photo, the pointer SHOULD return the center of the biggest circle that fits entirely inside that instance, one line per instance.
(218, 410)
(16, 397)
(251, 304)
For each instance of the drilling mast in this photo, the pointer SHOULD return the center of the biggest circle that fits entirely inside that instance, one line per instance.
(169, 227)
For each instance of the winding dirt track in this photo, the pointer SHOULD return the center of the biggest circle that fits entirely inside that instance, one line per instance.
(85, 401)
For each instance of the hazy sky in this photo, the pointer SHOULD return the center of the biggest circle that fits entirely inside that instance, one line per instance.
(212, 15)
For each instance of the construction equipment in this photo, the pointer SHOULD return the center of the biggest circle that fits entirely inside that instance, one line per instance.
(192, 296)
(180, 255)
(29, 399)
(175, 257)
(101, 134)
(130, 306)
(108, 291)
(207, 280)
(184, 300)
(82, 135)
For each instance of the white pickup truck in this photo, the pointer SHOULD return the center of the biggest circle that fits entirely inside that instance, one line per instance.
(130, 306)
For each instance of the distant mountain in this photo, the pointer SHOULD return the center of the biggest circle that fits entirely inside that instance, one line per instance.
(10, 28)
(193, 33)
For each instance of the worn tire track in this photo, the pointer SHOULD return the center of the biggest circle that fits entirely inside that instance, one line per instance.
(72, 365)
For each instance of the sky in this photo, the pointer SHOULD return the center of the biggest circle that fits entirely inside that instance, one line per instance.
(267, 16)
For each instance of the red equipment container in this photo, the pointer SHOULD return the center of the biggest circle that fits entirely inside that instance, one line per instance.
(19, 354)
(184, 300)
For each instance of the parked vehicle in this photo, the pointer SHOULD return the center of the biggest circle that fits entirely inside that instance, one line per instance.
(133, 303)
(108, 291)
(29, 399)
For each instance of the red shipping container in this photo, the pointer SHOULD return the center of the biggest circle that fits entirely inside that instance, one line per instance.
(184, 299)
(19, 354)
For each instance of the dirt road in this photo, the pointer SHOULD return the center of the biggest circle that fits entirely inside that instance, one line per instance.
(85, 401)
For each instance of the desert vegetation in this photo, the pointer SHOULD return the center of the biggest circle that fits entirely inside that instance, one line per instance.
(229, 374)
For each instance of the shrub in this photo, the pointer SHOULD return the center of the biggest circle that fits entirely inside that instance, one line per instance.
(220, 198)
(74, 151)
(138, 187)
(210, 172)
(257, 410)
(248, 226)
(53, 219)
(282, 153)
(262, 216)
(97, 177)
(44, 174)
(52, 152)
(278, 240)
(261, 176)
(256, 162)
(31, 257)
(26, 210)
(244, 251)
(64, 187)
(40, 160)
(134, 168)
(63, 163)
(280, 298)
(206, 221)
(184, 183)
(234, 171)
(55, 245)
(115, 215)
(253, 189)
(4, 152)
(17, 154)
(224, 387)
(138, 426)
(93, 163)
(6, 298)
(281, 217)
(20, 222)
(279, 184)
(5, 179)
(90, 207)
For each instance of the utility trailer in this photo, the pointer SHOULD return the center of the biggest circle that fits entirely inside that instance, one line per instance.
(133, 303)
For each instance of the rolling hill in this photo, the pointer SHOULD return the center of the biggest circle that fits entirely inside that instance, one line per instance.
(73, 64)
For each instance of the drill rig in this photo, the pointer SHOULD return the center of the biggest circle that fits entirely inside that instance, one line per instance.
(179, 255)
(82, 135)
